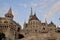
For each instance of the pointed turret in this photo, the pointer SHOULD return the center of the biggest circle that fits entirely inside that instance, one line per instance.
(31, 13)
(25, 24)
(45, 21)
(9, 14)
(52, 24)
(34, 14)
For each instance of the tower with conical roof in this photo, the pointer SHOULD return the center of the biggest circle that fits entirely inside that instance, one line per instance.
(9, 14)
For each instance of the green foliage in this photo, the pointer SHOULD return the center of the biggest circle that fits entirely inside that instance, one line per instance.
(2, 35)
(58, 31)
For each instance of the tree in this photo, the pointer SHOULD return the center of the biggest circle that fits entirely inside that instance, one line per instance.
(2, 36)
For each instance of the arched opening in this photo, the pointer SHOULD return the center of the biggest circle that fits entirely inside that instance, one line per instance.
(20, 36)
(18, 29)
(35, 30)
(43, 28)
(2, 36)
(58, 31)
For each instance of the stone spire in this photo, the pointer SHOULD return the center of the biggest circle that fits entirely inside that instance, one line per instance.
(25, 21)
(45, 21)
(9, 14)
(31, 12)
(10, 11)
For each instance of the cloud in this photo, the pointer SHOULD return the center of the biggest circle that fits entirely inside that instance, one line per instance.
(34, 4)
(59, 25)
(23, 5)
(52, 10)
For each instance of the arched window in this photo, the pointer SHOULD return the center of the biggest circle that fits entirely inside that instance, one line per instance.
(43, 28)
(5, 21)
(18, 29)
(35, 30)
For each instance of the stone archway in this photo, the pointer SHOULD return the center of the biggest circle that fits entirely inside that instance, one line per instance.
(20, 36)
